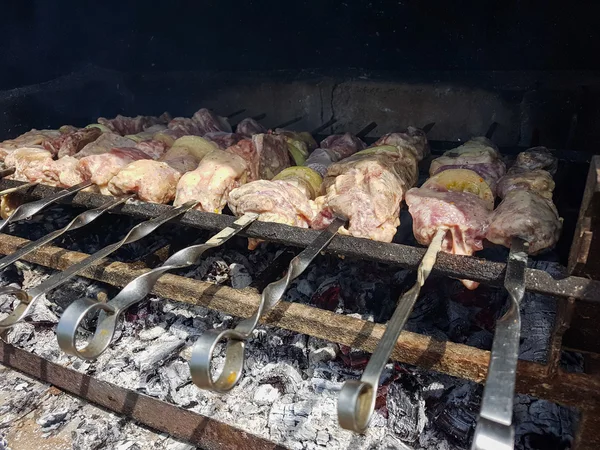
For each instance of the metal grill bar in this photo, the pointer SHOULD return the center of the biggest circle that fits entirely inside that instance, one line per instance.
(460, 267)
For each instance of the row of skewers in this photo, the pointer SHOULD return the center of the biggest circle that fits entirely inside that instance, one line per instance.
(340, 187)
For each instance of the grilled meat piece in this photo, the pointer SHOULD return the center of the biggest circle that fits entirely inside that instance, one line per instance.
(266, 155)
(536, 158)
(249, 127)
(527, 215)
(132, 125)
(210, 183)
(99, 169)
(152, 181)
(413, 139)
(275, 201)
(222, 139)
(151, 147)
(63, 172)
(69, 143)
(368, 189)
(28, 163)
(538, 180)
(31, 139)
(343, 145)
(209, 122)
(463, 214)
(104, 144)
(479, 155)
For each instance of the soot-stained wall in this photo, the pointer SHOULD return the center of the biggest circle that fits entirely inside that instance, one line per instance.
(44, 39)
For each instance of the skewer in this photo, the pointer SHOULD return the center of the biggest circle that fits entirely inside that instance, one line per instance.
(366, 130)
(427, 128)
(357, 398)
(81, 220)
(22, 187)
(494, 426)
(203, 349)
(323, 126)
(236, 113)
(289, 122)
(491, 130)
(29, 209)
(134, 292)
(27, 299)
(260, 116)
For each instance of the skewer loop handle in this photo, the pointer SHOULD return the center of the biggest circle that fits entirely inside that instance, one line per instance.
(66, 330)
(204, 352)
(20, 311)
(356, 405)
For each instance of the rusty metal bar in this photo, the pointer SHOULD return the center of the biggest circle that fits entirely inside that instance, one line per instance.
(572, 389)
(183, 424)
(584, 257)
(460, 267)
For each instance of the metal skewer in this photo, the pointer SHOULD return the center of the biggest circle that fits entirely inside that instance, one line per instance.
(357, 397)
(134, 292)
(203, 350)
(29, 209)
(135, 234)
(81, 220)
(22, 187)
(494, 427)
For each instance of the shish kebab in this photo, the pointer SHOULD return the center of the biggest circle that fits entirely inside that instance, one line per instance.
(389, 162)
(450, 213)
(141, 230)
(137, 289)
(526, 221)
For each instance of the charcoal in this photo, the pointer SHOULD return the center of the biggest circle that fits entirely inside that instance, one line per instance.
(94, 434)
(158, 352)
(406, 413)
(266, 394)
(53, 420)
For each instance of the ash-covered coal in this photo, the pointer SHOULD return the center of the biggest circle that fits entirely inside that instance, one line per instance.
(291, 383)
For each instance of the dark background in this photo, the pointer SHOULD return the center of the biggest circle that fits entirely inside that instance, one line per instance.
(44, 39)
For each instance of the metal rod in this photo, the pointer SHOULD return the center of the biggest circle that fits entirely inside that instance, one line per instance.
(322, 127)
(494, 427)
(366, 130)
(29, 209)
(27, 299)
(22, 187)
(289, 122)
(427, 128)
(356, 401)
(134, 292)
(397, 255)
(203, 350)
(235, 113)
(491, 130)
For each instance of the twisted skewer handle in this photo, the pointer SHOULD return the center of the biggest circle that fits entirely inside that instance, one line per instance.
(203, 351)
(357, 397)
(494, 427)
(135, 234)
(29, 209)
(134, 292)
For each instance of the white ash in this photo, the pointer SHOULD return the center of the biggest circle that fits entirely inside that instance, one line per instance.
(67, 420)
